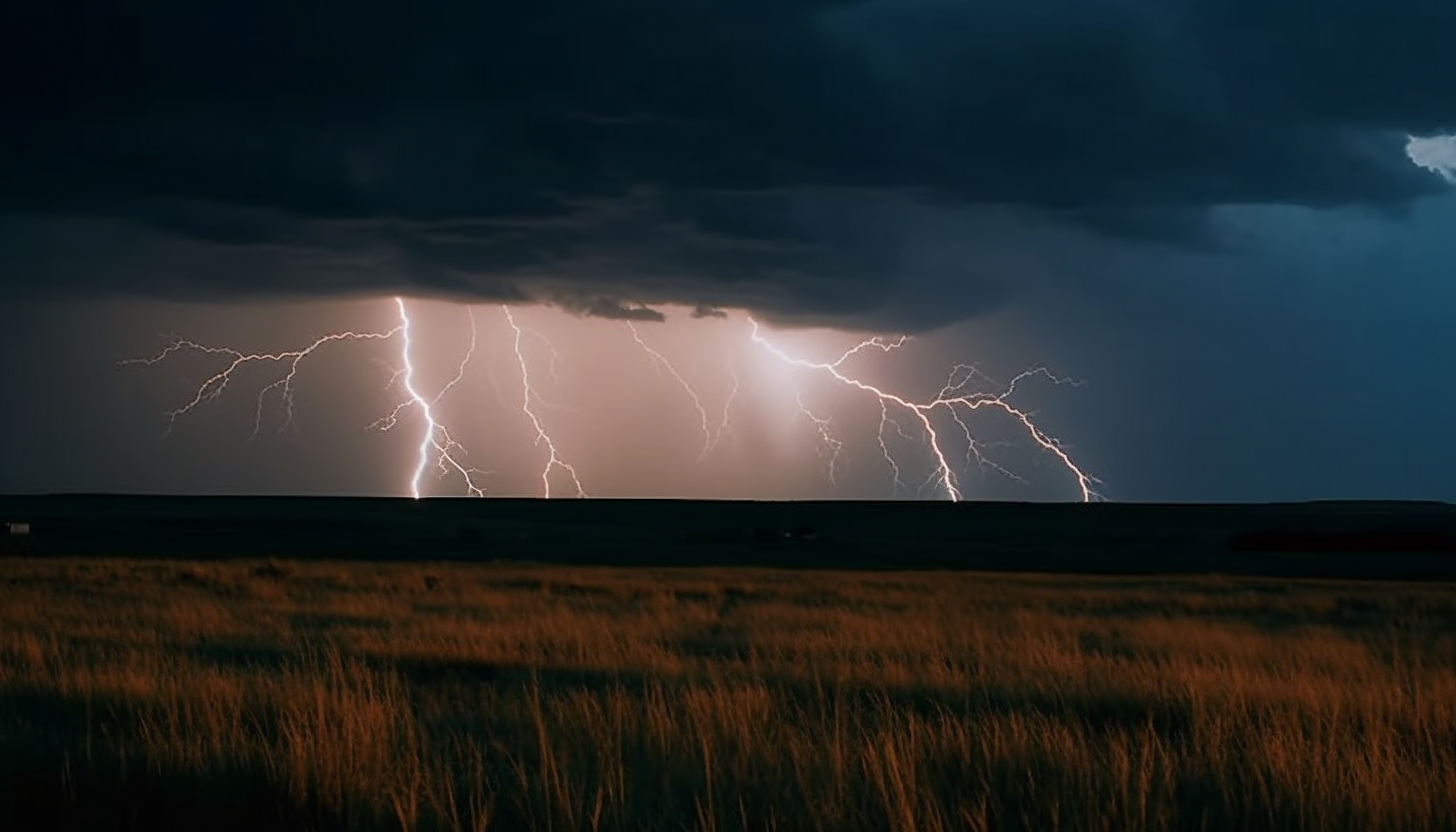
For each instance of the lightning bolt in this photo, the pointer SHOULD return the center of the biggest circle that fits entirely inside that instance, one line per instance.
(875, 343)
(955, 398)
(886, 421)
(213, 386)
(660, 362)
(924, 422)
(434, 436)
(830, 446)
(725, 425)
(389, 420)
(528, 393)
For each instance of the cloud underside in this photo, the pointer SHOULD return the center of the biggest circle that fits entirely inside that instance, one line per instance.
(891, 162)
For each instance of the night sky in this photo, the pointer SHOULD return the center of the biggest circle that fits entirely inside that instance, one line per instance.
(1232, 221)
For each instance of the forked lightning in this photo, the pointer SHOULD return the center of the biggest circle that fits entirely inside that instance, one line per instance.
(902, 419)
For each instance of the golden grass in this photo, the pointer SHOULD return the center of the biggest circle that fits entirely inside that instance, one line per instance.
(336, 696)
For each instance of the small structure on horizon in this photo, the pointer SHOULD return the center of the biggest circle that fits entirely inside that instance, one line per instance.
(16, 529)
(803, 531)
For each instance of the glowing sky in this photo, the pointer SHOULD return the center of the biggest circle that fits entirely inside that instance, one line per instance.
(707, 407)
(1233, 226)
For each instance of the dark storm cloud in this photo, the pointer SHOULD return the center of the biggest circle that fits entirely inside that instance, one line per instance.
(787, 156)
(611, 309)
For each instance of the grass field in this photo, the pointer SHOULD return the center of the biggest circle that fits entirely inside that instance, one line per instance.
(328, 695)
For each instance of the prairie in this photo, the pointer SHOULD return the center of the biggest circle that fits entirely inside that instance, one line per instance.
(324, 695)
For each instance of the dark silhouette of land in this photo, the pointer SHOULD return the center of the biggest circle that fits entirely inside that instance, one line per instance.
(1404, 540)
(385, 664)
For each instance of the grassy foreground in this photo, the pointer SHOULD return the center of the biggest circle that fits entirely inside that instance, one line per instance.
(320, 695)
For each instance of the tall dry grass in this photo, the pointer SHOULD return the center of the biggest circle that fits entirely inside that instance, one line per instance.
(332, 696)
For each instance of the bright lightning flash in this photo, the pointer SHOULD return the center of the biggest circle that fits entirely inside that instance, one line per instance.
(955, 398)
(528, 394)
(662, 364)
(213, 387)
(924, 422)
(434, 436)
(830, 446)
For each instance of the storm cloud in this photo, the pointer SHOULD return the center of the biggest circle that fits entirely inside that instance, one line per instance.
(896, 163)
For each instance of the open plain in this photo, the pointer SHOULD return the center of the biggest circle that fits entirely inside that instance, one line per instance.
(251, 693)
